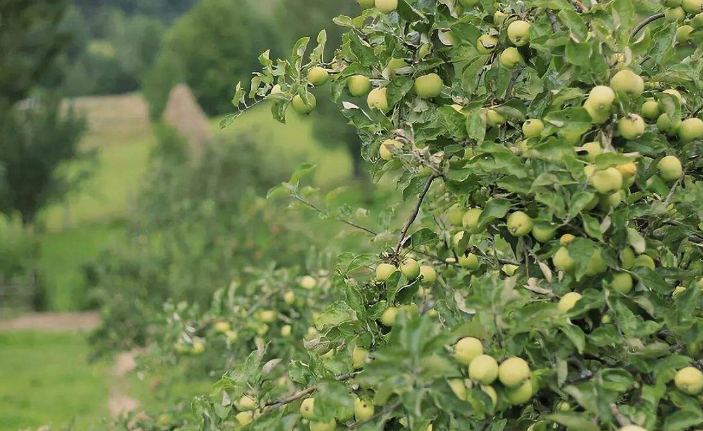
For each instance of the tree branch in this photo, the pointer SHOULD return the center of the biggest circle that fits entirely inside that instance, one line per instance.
(347, 222)
(413, 215)
(580, 6)
(271, 405)
(641, 25)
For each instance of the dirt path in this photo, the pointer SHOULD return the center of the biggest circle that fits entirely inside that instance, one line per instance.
(119, 402)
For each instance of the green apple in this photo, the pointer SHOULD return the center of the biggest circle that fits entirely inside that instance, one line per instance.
(386, 6)
(386, 148)
(650, 109)
(276, 89)
(308, 282)
(286, 330)
(592, 149)
(683, 34)
(622, 282)
(606, 202)
(359, 85)
(665, 125)
(676, 94)
(231, 336)
(632, 428)
(331, 424)
(363, 410)
(486, 44)
(470, 221)
(562, 261)
(221, 327)
(394, 64)
(675, 14)
(670, 168)
(563, 406)
(644, 261)
(366, 4)
(377, 99)
(697, 21)
(532, 128)
(627, 258)
(631, 126)
(601, 97)
(520, 394)
(268, 316)
(483, 369)
(499, 18)
(519, 32)
(513, 372)
(568, 301)
(467, 349)
(428, 86)
(519, 224)
(318, 76)
(598, 116)
(627, 170)
(244, 418)
(510, 57)
(692, 6)
(384, 271)
(429, 275)
(628, 82)
(359, 357)
(454, 214)
(246, 403)
(307, 408)
(689, 380)
(596, 265)
(469, 261)
(543, 232)
(469, 3)
(388, 316)
(304, 108)
(410, 269)
(607, 181)
(458, 387)
(691, 129)
(494, 118)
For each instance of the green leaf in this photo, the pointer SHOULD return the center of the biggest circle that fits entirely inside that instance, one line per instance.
(318, 52)
(301, 172)
(574, 420)
(494, 209)
(682, 420)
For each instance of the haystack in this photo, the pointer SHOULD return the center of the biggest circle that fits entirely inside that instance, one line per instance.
(185, 115)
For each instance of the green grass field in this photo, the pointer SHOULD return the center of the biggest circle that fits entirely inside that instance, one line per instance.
(45, 379)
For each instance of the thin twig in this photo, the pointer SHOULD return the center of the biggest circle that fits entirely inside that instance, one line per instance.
(301, 393)
(511, 83)
(345, 221)
(413, 215)
(673, 188)
(641, 25)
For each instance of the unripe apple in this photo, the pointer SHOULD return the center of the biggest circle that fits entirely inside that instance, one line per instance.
(429, 275)
(596, 265)
(563, 406)
(307, 408)
(676, 94)
(677, 291)
(499, 18)
(670, 168)
(697, 21)
(286, 330)
(692, 6)
(246, 403)
(572, 137)
(386, 6)
(628, 82)
(644, 261)
(276, 89)
(598, 116)
(366, 4)
(631, 126)
(384, 271)
(494, 118)
(520, 394)
(363, 410)
(683, 34)
(467, 349)
(454, 215)
(519, 224)
(359, 85)
(308, 282)
(385, 150)
(607, 181)
(691, 129)
(410, 269)
(388, 316)
(543, 232)
(486, 44)
(632, 428)
(469, 3)
(532, 128)
(428, 86)
(359, 357)
(244, 418)
(331, 424)
(469, 261)
(458, 387)
(318, 76)
(231, 336)
(510, 57)
(568, 301)
(689, 380)
(519, 32)
(622, 282)
(394, 64)
(650, 109)
(606, 202)
(304, 108)
(562, 261)
(513, 372)
(601, 97)
(675, 14)
(627, 258)
(665, 125)
(470, 221)
(221, 326)
(593, 149)
(483, 369)
(377, 99)
(268, 316)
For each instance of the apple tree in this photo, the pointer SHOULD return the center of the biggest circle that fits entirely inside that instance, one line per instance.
(546, 273)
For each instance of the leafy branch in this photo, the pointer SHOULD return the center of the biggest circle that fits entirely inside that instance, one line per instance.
(272, 405)
(413, 215)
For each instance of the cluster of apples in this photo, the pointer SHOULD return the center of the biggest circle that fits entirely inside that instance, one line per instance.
(363, 411)
(680, 11)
